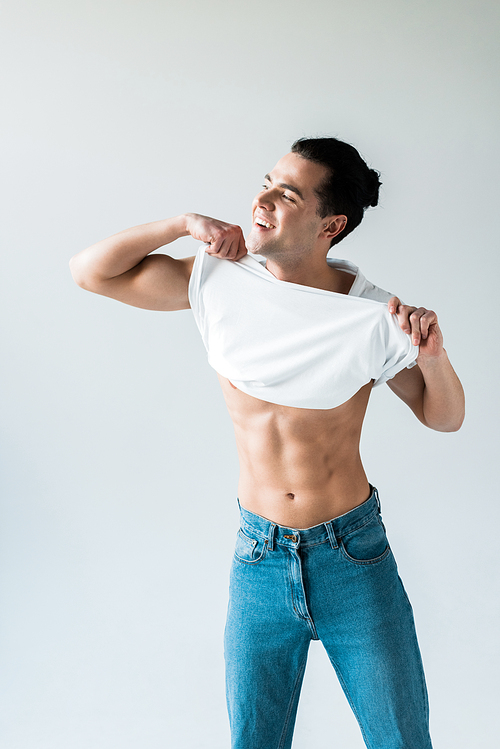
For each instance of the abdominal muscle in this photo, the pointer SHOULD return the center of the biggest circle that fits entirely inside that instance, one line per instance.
(298, 467)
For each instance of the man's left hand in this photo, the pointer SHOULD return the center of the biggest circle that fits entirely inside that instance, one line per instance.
(421, 324)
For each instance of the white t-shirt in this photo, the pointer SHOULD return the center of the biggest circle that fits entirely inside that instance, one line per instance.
(291, 344)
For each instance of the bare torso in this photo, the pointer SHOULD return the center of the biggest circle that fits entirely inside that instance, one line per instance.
(298, 467)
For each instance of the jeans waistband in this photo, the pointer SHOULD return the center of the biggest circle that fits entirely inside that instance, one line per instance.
(331, 530)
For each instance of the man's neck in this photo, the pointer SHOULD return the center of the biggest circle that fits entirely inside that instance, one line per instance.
(314, 272)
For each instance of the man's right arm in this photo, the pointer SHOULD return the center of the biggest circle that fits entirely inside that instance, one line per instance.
(120, 266)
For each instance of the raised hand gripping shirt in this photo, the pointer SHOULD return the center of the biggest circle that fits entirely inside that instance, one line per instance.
(290, 344)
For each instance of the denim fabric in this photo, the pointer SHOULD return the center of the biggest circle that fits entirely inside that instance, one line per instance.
(336, 582)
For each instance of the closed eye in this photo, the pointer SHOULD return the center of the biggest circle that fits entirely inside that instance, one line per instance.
(283, 195)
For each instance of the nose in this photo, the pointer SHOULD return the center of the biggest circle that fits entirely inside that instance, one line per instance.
(265, 199)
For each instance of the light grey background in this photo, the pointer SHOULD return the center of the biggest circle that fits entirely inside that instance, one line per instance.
(119, 470)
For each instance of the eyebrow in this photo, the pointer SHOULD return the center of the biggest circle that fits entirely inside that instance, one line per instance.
(286, 187)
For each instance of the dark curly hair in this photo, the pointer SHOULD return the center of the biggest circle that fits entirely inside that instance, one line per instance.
(351, 185)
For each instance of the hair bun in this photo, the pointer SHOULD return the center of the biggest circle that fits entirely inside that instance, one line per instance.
(373, 188)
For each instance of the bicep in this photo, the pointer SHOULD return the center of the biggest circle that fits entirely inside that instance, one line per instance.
(159, 282)
(409, 386)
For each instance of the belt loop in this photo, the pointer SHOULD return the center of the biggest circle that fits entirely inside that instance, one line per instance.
(270, 536)
(331, 534)
(375, 491)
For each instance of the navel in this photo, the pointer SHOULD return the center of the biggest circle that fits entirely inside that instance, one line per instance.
(290, 495)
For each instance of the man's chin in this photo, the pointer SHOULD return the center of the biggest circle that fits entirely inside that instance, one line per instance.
(257, 246)
(252, 244)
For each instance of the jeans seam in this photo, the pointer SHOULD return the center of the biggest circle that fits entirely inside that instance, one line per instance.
(365, 562)
(300, 674)
(423, 685)
(361, 523)
(290, 582)
(349, 699)
(250, 562)
(316, 543)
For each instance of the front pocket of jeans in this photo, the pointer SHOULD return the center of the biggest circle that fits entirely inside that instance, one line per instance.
(249, 550)
(366, 545)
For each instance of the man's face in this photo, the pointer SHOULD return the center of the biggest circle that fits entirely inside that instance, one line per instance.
(285, 218)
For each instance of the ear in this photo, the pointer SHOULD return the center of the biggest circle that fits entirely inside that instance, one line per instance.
(332, 226)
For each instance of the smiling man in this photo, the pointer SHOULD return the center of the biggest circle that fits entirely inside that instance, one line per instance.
(298, 342)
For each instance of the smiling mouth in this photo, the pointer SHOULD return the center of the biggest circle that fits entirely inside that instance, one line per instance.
(264, 224)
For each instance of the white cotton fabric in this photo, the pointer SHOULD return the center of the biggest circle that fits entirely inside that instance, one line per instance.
(291, 344)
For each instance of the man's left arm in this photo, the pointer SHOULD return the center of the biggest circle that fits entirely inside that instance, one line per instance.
(431, 389)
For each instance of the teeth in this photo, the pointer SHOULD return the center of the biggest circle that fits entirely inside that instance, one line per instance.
(264, 223)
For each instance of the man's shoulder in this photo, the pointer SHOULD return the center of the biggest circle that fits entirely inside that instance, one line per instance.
(361, 286)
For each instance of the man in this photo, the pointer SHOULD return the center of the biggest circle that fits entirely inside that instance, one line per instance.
(298, 343)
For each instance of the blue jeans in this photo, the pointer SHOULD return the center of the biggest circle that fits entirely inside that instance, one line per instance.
(336, 582)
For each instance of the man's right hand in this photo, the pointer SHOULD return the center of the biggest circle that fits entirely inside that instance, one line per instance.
(224, 240)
